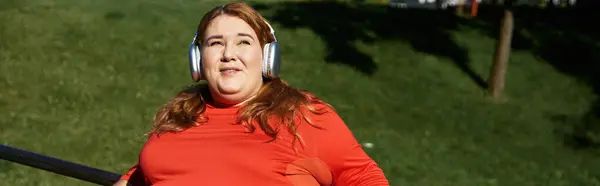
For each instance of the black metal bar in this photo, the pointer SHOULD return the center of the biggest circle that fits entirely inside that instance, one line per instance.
(58, 166)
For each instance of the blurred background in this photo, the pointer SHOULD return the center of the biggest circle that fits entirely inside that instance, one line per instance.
(80, 80)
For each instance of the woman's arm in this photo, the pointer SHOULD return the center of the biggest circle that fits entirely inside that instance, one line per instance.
(338, 148)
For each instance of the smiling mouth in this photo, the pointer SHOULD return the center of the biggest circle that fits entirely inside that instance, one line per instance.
(229, 71)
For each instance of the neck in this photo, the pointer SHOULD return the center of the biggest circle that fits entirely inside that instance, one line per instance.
(225, 105)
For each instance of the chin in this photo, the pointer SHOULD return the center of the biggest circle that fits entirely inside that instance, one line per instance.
(229, 89)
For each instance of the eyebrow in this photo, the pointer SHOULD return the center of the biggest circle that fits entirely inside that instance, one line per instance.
(221, 36)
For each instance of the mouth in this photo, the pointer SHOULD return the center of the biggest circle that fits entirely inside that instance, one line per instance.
(229, 70)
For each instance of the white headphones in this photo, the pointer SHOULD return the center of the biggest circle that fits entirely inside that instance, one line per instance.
(270, 66)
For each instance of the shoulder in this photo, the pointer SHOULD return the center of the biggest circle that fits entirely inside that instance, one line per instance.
(317, 104)
(319, 112)
(322, 126)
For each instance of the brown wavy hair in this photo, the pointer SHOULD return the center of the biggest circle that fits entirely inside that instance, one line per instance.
(276, 98)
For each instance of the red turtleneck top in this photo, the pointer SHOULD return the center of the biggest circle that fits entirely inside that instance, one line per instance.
(221, 152)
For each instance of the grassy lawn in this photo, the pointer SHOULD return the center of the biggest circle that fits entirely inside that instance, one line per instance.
(80, 81)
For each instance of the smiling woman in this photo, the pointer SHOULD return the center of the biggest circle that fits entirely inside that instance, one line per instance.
(207, 135)
(232, 60)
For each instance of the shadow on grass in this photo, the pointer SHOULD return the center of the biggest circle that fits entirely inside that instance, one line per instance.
(566, 39)
(340, 25)
(563, 37)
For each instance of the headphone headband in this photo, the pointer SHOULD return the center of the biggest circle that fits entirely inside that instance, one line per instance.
(271, 28)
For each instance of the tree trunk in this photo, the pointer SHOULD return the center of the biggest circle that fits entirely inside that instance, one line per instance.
(498, 71)
(474, 8)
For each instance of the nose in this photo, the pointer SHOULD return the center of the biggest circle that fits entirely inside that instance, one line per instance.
(228, 54)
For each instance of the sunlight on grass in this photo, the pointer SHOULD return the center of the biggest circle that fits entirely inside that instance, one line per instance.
(80, 81)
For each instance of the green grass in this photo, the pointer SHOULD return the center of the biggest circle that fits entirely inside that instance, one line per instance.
(80, 80)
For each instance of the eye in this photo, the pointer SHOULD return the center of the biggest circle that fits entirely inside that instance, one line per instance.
(215, 43)
(244, 42)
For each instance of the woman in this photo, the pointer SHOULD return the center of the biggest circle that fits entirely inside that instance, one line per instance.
(208, 135)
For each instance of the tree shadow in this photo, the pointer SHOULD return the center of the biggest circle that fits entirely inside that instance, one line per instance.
(340, 25)
(566, 39)
(572, 46)
(578, 132)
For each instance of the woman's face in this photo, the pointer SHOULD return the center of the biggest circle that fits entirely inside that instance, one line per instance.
(232, 60)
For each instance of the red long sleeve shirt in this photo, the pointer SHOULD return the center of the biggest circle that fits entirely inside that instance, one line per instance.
(221, 152)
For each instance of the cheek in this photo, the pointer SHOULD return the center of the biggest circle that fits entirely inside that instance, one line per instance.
(209, 59)
(253, 59)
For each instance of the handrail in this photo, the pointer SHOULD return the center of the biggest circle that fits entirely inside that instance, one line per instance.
(58, 166)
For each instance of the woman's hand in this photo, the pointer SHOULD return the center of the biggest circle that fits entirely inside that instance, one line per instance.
(121, 183)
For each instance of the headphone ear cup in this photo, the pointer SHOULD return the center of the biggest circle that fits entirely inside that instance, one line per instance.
(271, 60)
(265, 62)
(195, 62)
